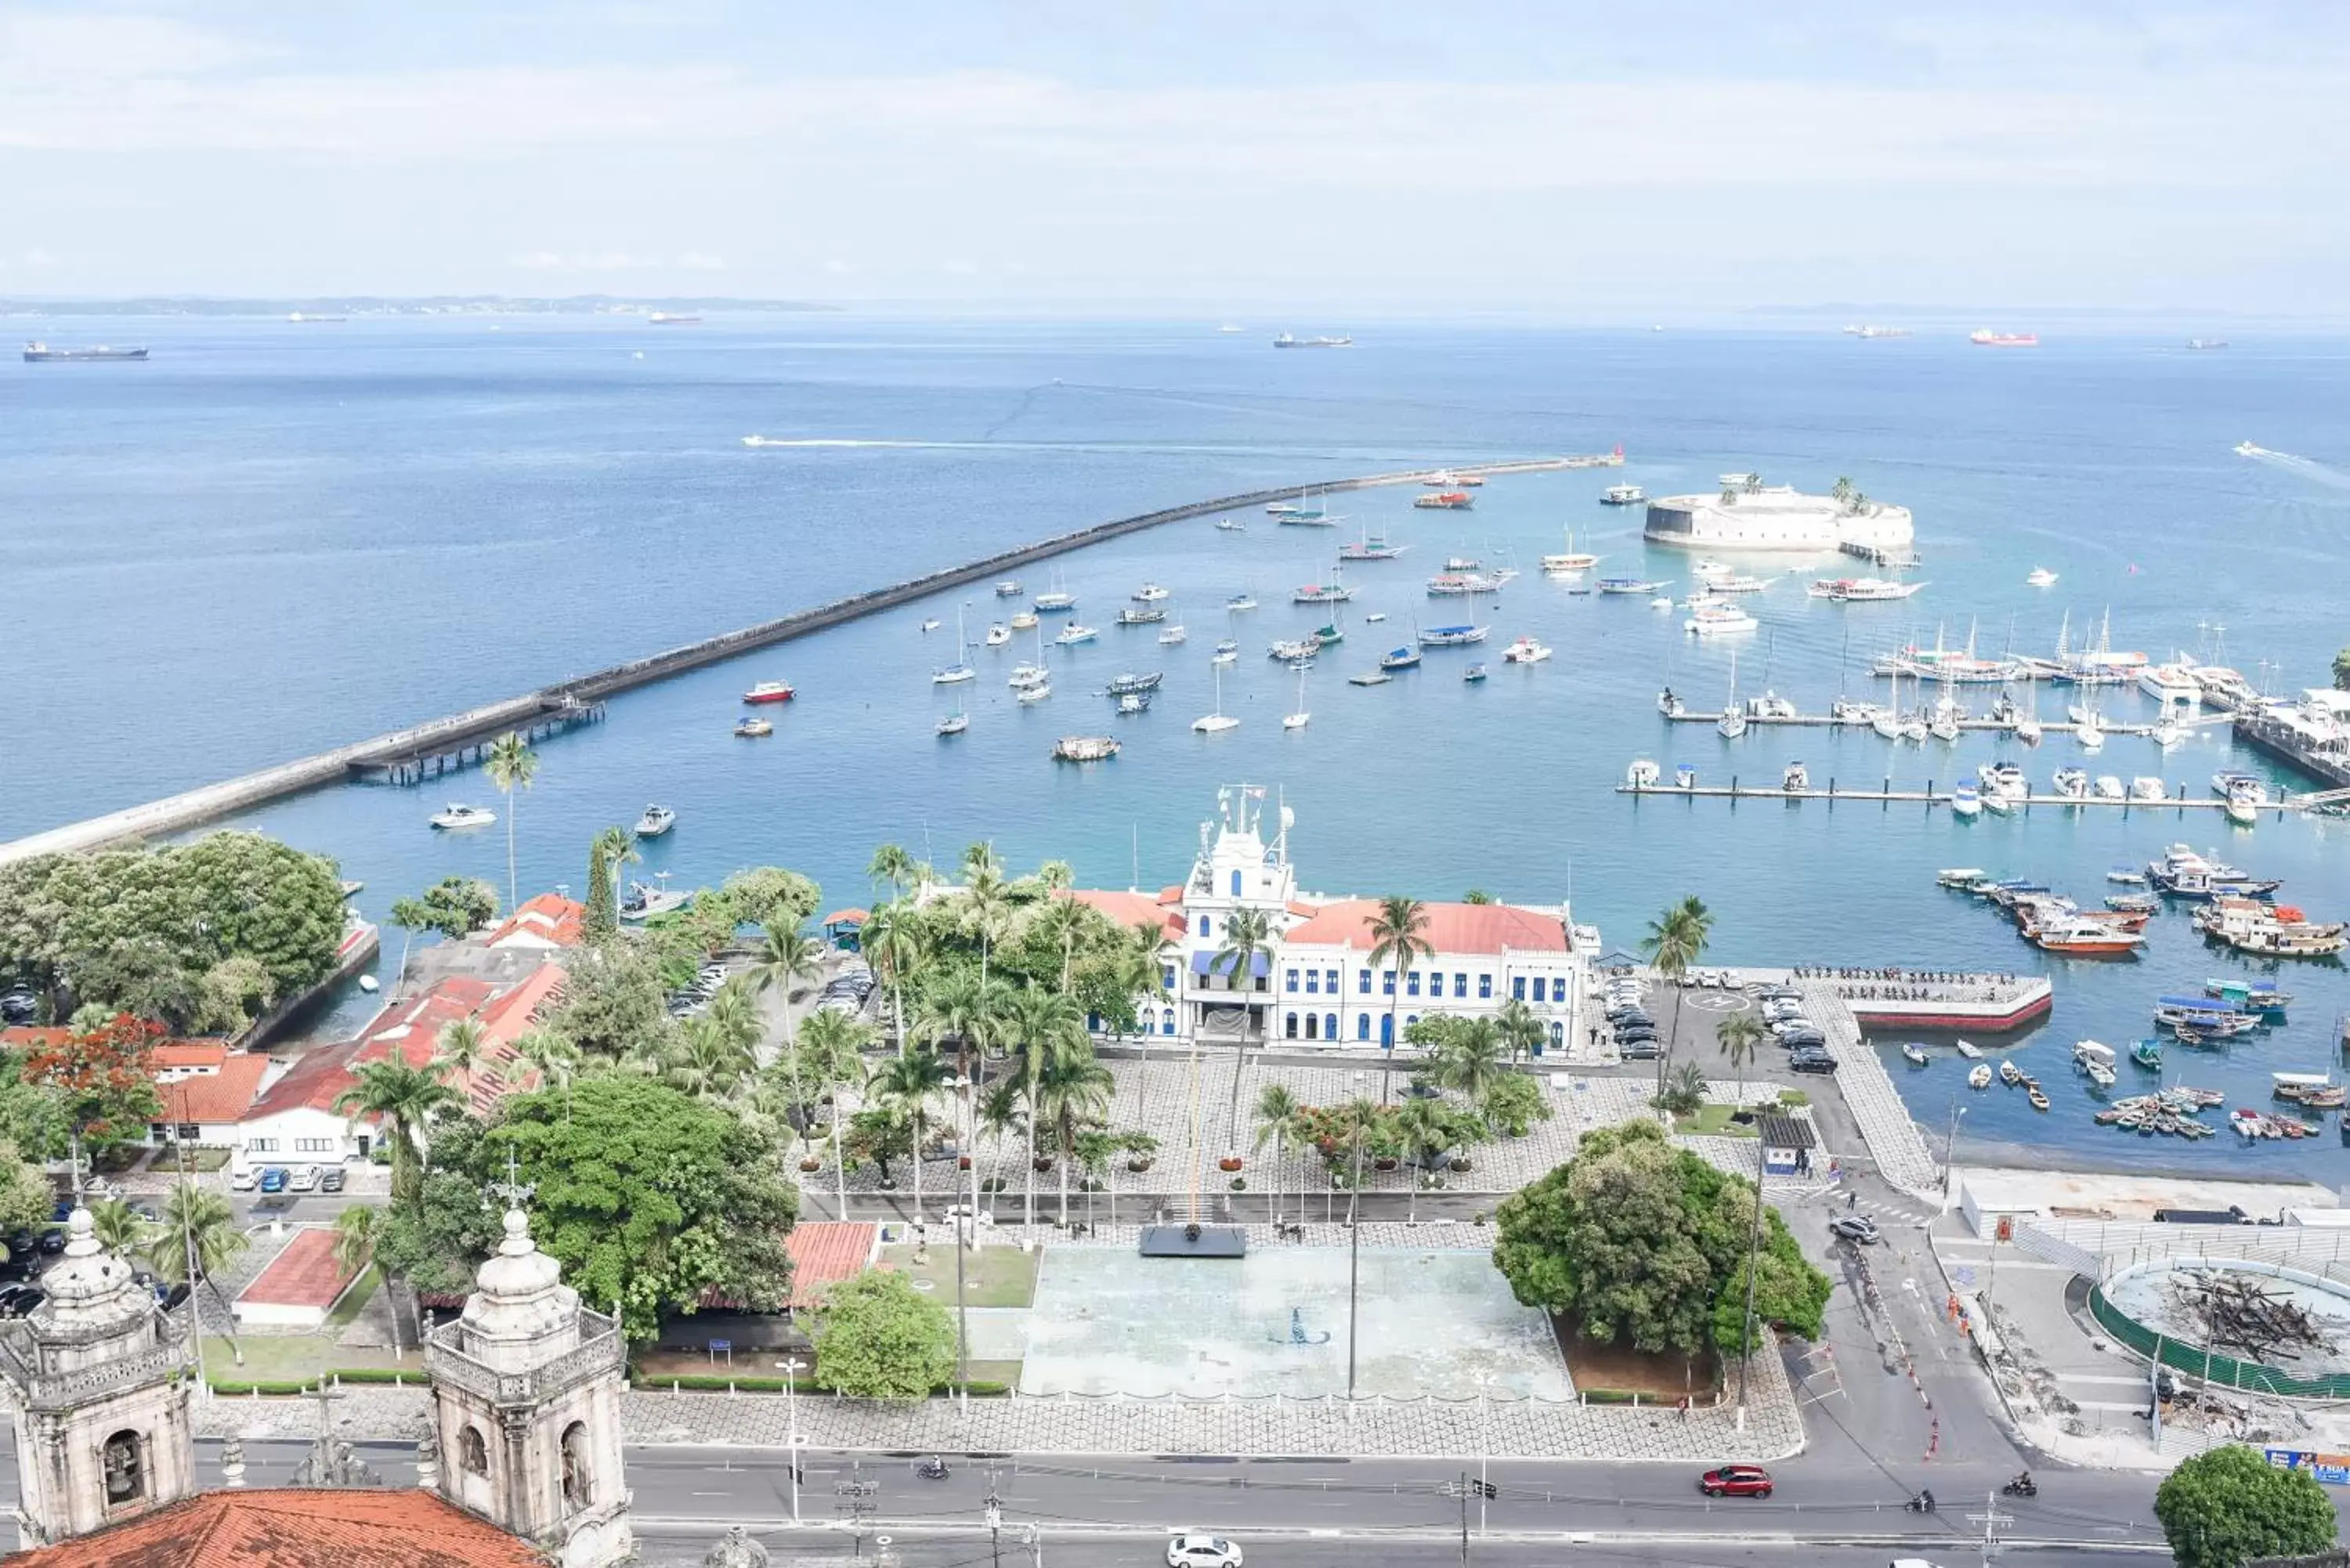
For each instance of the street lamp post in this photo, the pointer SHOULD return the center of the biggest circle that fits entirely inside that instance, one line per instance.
(1951, 1154)
(969, 1134)
(1484, 1442)
(1354, 1252)
(792, 1367)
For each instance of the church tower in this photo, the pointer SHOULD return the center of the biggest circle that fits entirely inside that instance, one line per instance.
(99, 1399)
(526, 1407)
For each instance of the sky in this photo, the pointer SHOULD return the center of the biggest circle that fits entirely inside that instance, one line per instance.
(1478, 155)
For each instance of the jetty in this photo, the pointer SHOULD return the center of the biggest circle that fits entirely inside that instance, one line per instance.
(438, 746)
(1929, 796)
(1830, 721)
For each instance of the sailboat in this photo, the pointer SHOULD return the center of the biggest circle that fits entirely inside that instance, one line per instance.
(1172, 632)
(1887, 722)
(1569, 560)
(1300, 718)
(960, 669)
(1218, 721)
(2087, 730)
(1733, 722)
(954, 723)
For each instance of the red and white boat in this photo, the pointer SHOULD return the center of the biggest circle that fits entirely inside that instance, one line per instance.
(769, 691)
(2085, 937)
(1985, 338)
(1445, 500)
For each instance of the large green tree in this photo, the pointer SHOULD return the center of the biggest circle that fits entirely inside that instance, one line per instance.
(405, 1101)
(614, 1007)
(879, 1339)
(25, 1199)
(2225, 1507)
(607, 852)
(102, 1079)
(1642, 1242)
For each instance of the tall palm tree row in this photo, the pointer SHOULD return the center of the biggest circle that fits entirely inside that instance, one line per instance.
(511, 765)
(1675, 941)
(911, 1083)
(785, 959)
(831, 1049)
(1396, 939)
(896, 945)
(1074, 1092)
(1048, 1029)
(1248, 938)
(986, 902)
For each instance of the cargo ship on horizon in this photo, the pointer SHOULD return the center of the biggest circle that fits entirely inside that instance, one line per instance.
(1985, 337)
(38, 353)
(1287, 341)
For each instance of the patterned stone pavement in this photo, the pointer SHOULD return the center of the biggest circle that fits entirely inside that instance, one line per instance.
(1893, 1138)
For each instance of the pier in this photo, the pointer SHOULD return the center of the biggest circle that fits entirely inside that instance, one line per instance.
(1931, 797)
(1829, 721)
(429, 750)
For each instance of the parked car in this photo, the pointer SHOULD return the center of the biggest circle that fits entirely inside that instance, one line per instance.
(19, 1005)
(1856, 1228)
(273, 1179)
(53, 1242)
(1641, 1051)
(1736, 1481)
(305, 1179)
(1813, 1062)
(331, 1179)
(15, 1300)
(1203, 1551)
(1811, 1041)
(241, 1178)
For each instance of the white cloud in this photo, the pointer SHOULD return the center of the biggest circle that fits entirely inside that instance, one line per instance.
(595, 261)
(695, 261)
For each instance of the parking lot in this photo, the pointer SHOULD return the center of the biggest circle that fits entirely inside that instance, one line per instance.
(1631, 1025)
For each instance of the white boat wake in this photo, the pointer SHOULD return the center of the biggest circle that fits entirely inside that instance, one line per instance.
(2325, 473)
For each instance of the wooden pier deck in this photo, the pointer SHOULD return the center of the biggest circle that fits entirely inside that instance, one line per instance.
(1931, 797)
(424, 751)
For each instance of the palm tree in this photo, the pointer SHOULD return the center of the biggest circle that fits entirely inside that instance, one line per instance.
(829, 1050)
(199, 1228)
(554, 1059)
(457, 1048)
(611, 849)
(1740, 1036)
(785, 958)
(355, 1232)
(1056, 876)
(736, 1017)
(986, 901)
(1058, 921)
(1049, 1028)
(1522, 1030)
(1075, 1089)
(1276, 1115)
(1135, 969)
(1427, 1127)
(707, 1063)
(891, 864)
(910, 1083)
(958, 1008)
(119, 1227)
(1248, 937)
(1675, 941)
(896, 944)
(511, 764)
(406, 1099)
(1396, 940)
(1469, 1060)
(1358, 1116)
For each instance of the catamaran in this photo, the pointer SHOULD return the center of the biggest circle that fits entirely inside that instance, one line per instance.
(1301, 718)
(1218, 721)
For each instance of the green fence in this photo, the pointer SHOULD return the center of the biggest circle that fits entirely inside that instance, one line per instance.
(2210, 1364)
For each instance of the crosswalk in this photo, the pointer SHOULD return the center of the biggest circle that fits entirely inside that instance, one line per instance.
(1885, 1210)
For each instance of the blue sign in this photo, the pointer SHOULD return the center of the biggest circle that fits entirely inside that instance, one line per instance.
(721, 1347)
(2331, 1470)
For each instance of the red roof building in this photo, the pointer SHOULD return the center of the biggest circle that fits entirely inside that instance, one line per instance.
(289, 1528)
(300, 1285)
(825, 1252)
(549, 921)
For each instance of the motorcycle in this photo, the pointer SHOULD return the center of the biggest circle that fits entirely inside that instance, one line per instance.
(2022, 1486)
(1922, 1504)
(931, 1469)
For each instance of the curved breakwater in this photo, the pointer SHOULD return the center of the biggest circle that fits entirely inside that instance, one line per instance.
(192, 807)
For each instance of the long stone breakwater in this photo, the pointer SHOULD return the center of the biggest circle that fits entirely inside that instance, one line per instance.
(552, 707)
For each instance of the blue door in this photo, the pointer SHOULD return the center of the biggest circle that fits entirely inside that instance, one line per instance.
(1387, 1031)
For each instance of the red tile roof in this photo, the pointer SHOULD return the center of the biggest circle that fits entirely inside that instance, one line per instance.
(851, 916)
(410, 1028)
(181, 1054)
(304, 1274)
(32, 1036)
(549, 917)
(1451, 928)
(314, 1082)
(211, 1098)
(285, 1527)
(824, 1252)
(1131, 909)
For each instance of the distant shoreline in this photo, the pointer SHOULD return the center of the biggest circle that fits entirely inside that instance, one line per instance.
(402, 305)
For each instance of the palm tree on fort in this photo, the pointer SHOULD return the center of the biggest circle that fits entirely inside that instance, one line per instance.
(1049, 1028)
(895, 943)
(1740, 1036)
(891, 864)
(1248, 937)
(511, 765)
(1675, 941)
(1396, 939)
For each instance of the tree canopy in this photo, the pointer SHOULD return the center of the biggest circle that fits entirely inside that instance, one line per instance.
(2227, 1506)
(647, 1195)
(614, 1005)
(879, 1339)
(456, 906)
(101, 1080)
(1643, 1242)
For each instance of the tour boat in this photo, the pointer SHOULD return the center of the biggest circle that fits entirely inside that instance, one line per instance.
(1219, 721)
(1458, 585)
(655, 821)
(1149, 593)
(1120, 685)
(1073, 634)
(1330, 593)
(1445, 500)
(1628, 586)
(2172, 682)
(1622, 495)
(1009, 588)
(1141, 615)
(1571, 559)
(769, 691)
(1526, 650)
(1404, 657)
(2039, 577)
(1718, 620)
(1452, 636)
(2270, 931)
(1290, 650)
(998, 635)
(953, 724)
(1370, 548)
(1861, 590)
(1058, 602)
(2146, 1053)
(457, 816)
(1035, 692)
(2260, 996)
(754, 729)
(1132, 702)
(2083, 937)
(1084, 748)
(643, 901)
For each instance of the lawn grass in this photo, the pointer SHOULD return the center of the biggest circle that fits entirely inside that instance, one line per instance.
(294, 1357)
(1712, 1121)
(1001, 1276)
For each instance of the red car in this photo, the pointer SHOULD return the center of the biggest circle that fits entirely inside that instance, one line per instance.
(1736, 1481)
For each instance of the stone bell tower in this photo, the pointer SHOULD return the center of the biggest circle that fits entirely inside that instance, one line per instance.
(98, 1395)
(526, 1408)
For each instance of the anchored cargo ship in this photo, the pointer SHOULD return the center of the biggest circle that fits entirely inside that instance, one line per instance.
(41, 353)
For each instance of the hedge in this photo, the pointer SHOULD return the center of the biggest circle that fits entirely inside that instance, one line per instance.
(704, 1383)
(412, 1377)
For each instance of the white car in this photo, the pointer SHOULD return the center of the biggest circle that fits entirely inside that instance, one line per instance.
(304, 1179)
(241, 1179)
(1203, 1551)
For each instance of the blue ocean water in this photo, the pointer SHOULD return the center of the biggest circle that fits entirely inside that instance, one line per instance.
(277, 536)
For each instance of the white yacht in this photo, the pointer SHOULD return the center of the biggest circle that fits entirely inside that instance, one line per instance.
(1073, 634)
(1217, 722)
(1526, 650)
(1024, 675)
(998, 635)
(1966, 801)
(2172, 682)
(1149, 593)
(2039, 577)
(454, 814)
(2146, 786)
(644, 901)
(1719, 618)
(655, 821)
(953, 724)
(1035, 692)
(1302, 718)
(1732, 721)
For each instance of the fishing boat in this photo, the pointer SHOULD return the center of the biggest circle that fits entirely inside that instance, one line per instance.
(1628, 586)
(655, 821)
(753, 728)
(2208, 1017)
(2270, 931)
(1445, 500)
(1452, 636)
(644, 901)
(1240, 602)
(1913, 1054)
(2010, 1074)
(769, 691)
(998, 634)
(1218, 721)
(1086, 748)
(1965, 878)
(2260, 996)
(1149, 593)
(2038, 1098)
(457, 816)
(1570, 559)
(1526, 650)
(1302, 717)
(1120, 685)
(2146, 1053)
(1073, 634)
(1978, 1076)
(953, 724)
(1473, 674)
(1132, 702)
(1732, 721)
(1009, 588)
(1404, 657)
(1333, 592)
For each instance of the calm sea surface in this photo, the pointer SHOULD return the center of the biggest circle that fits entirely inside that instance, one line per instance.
(275, 538)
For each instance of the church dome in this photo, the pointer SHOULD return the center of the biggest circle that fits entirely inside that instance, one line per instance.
(519, 1292)
(90, 1287)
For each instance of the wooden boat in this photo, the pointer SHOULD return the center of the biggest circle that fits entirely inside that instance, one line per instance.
(2039, 1099)
(2148, 1053)
(1913, 1055)
(2010, 1074)
(1980, 1078)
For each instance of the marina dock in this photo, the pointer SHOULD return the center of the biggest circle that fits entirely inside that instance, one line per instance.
(1829, 721)
(441, 746)
(1931, 797)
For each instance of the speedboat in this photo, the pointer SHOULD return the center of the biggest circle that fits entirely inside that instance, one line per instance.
(457, 816)
(1239, 602)
(1404, 657)
(1009, 588)
(769, 691)
(1526, 650)
(1622, 495)
(1473, 674)
(1966, 801)
(1796, 780)
(1718, 619)
(644, 901)
(2108, 786)
(1149, 593)
(1913, 1054)
(1073, 634)
(1375, 617)
(1035, 692)
(1172, 635)
(1642, 775)
(953, 724)
(1026, 675)
(998, 635)
(753, 728)
(1025, 622)
(1231, 524)
(2071, 784)
(655, 821)
(931, 624)
(2039, 578)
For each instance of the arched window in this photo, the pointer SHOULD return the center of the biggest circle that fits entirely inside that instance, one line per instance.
(473, 1454)
(1557, 1032)
(125, 1470)
(1204, 925)
(1236, 884)
(1362, 1026)
(1329, 1026)
(1290, 1033)
(1313, 1027)
(1167, 1020)
(579, 1488)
